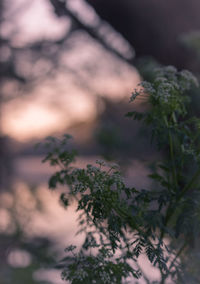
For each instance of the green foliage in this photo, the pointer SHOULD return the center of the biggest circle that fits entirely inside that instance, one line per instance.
(121, 223)
(191, 40)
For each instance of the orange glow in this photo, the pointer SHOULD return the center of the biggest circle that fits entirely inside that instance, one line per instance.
(37, 117)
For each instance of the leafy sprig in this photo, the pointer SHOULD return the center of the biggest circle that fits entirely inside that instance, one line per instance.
(121, 223)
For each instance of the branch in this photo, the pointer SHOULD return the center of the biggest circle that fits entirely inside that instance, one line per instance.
(61, 10)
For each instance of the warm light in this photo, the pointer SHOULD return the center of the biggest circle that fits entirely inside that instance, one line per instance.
(32, 118)
(29, 120)
(36, 21)
(5, 220)
(67, 95)
(19, 258)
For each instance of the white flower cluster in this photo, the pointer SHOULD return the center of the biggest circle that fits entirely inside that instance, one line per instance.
(70, 248)
(80, 274)
(187, 79)
(135, 94)
(98, 186)
(101, 163)
(118, 180)
(92, 169)
(78, 187)
(165, 91)
(148, 88)
(182, 80)
(105, 277)
(167, 71)
(168, 85)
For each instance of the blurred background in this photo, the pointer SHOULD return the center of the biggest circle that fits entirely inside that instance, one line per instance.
(69, 66)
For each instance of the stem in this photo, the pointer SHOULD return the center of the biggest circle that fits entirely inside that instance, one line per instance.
(189, 185)
(171, 149)
(171, 210)
(178, 254)
(163, 279)
(173, 261)
(174, 174)
(183, 192)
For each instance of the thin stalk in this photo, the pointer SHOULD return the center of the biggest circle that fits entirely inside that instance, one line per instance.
(171, 150)
(171, 210)
(178, 254)
(174, 174)
(189, 185)
(173, 261)
(163, 279)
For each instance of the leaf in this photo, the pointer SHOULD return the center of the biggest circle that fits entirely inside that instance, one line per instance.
(64, 200)
(53, 182)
